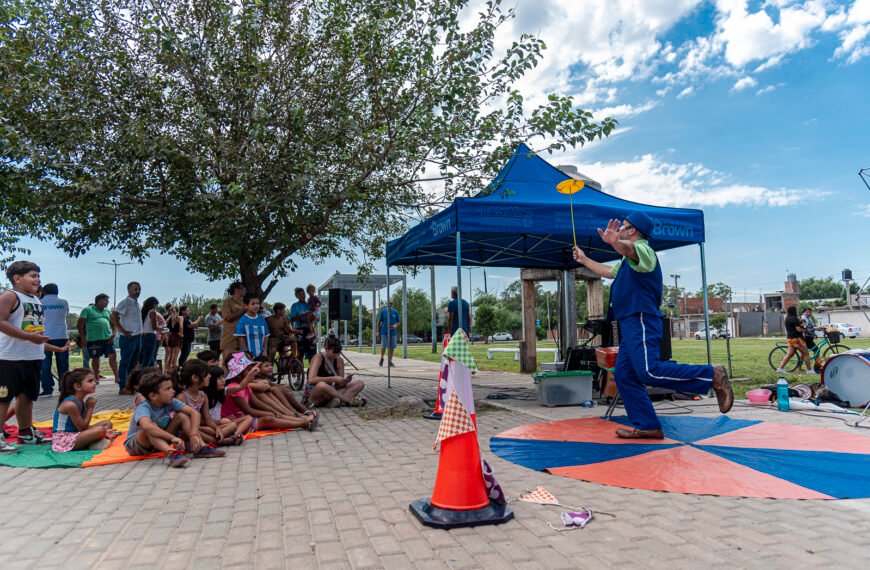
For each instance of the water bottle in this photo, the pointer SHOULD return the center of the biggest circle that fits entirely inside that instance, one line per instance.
(589, 404)
(782, 394)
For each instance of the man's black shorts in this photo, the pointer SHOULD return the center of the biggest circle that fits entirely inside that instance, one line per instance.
(100, 348)
(19, 377)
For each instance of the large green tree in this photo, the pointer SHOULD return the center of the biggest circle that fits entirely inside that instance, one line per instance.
(244, 135)
(419, 310)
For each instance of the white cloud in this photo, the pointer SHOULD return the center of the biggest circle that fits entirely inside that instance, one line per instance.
(744, 83)
(620, 112)
(650, 180)
(769, 88)
(863, 211)
(752, 36)
(611, 41)
(688, 91)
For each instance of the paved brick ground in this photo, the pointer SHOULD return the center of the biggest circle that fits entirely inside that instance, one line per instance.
(338, 498)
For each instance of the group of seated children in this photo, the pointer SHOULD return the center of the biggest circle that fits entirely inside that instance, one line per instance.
(203, 406)
(200, 408)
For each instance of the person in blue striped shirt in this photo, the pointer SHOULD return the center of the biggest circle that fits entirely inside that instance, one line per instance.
(251, 329)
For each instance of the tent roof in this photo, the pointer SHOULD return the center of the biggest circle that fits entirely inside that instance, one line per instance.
(358, 282)
(520, 220)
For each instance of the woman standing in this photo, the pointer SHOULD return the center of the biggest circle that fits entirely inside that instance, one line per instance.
(795, 333)
(173, 339)
(188, 332)
(150, 326)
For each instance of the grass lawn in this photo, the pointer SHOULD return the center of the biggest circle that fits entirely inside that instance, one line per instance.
(748, 358)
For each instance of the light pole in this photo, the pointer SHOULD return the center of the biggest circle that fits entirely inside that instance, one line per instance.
(115, 265)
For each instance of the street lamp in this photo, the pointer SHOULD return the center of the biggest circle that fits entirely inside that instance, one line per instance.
(115, 265)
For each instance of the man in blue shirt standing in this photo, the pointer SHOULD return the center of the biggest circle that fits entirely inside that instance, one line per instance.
(453, 319)
(635, 298)
(389, 332)
(56, 311)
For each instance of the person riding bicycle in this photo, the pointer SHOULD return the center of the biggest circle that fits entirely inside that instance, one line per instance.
(281, 334)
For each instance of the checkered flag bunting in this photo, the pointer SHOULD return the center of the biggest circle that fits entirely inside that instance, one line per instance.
(455, 420)
(540, 496)
(458, 350)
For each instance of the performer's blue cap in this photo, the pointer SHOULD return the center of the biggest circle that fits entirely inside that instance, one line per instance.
(642, 222)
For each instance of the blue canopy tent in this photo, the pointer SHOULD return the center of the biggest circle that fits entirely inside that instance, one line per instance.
(520, 220)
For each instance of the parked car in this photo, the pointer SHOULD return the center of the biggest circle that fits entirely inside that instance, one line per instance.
(847, 330)
(475, 337)
(714, 333)
(412, 338)
(501, 336)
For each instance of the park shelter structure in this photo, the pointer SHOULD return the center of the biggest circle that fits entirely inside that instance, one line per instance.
(366, 283)
(521, 221)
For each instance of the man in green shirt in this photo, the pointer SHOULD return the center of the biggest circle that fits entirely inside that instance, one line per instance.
(96, 335)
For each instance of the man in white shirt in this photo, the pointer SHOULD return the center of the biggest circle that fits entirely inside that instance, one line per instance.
(56, 311)
(127, 320)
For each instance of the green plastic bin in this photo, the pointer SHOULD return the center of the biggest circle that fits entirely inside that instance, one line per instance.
(570, 388)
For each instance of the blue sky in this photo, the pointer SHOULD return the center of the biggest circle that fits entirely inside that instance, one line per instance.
(753, 111)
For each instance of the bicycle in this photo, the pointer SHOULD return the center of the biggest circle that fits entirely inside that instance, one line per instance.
(288, 364)
(830, 341)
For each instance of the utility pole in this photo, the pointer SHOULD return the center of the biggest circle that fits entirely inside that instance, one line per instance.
(115, 265)
(676, 279)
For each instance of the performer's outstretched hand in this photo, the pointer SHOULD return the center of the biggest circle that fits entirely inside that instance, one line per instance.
(611, 234)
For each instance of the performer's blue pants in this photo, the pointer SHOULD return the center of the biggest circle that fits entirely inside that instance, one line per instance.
(638, 365)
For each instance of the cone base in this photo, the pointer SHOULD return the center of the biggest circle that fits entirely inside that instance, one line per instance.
(432, 516)
(432, 416)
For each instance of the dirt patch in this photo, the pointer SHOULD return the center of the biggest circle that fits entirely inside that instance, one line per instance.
(402, 412)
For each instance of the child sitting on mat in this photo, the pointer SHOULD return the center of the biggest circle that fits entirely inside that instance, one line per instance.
(276, 397)
(72, 419)
(216, 392)
(193, 376)
(239, 402)
(155, 428)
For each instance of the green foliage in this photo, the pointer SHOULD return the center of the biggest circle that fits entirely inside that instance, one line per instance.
(242, 136)
(485, 321)
(198, 304)
(824, 288)
(717, 321)
(419, 311)
(714, 291)
(72, 320)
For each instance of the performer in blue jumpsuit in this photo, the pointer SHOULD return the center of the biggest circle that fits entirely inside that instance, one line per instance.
(635, 298)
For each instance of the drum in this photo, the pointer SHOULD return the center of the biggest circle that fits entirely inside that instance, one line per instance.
(848, 375)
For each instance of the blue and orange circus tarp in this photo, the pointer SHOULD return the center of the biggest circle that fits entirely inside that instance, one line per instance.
(704, 456)
(42, 457)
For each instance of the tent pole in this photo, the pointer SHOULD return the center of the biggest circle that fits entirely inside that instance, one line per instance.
(459, 280)
(404, 316)
(432, 286)
(359, 324)
(389, 339)
(706, 306)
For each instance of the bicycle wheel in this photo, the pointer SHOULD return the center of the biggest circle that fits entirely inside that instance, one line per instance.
(835, 349)
(297, 374)
(279, 368)
(777, 354)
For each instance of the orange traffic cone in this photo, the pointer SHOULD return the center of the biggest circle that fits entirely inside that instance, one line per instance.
(459, 483)
(460, 497)
(442, 385)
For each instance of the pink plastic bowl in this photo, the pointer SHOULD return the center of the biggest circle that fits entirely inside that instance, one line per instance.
(758, 396)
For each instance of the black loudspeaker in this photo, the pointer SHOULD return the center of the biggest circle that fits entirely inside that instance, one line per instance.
(340, 304)
(847, 275)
